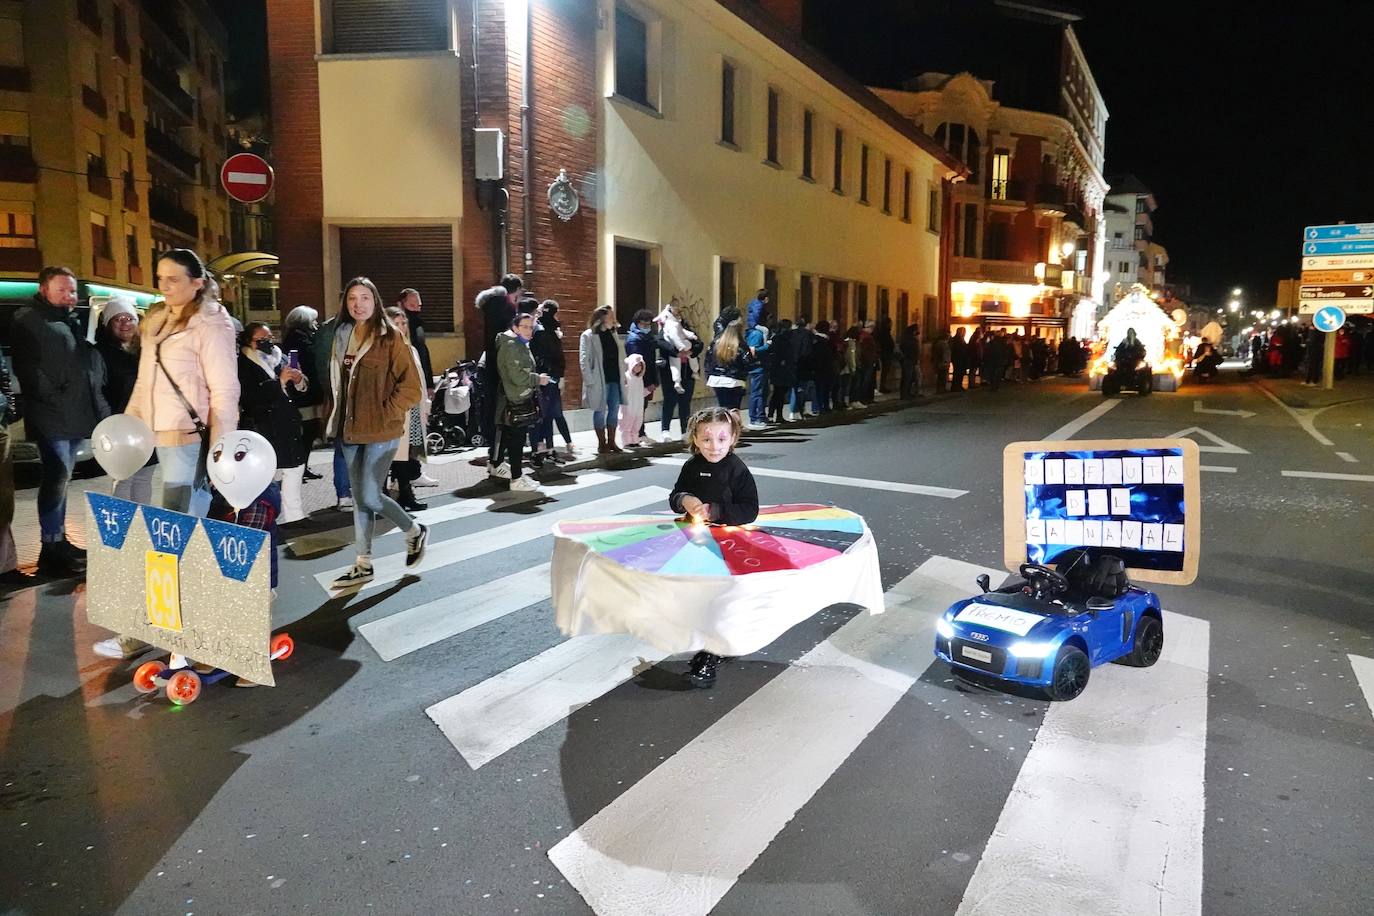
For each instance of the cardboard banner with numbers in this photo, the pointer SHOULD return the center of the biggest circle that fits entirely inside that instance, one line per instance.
(197, 587)
(1137, 499)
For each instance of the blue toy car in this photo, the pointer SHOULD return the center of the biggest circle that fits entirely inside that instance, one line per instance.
(1051, 630)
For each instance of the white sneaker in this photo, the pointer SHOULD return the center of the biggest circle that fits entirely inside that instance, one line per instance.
(177, 662)
(119, 647)
(345, 504)
(424, 480)
(501, 470)
(857, 404)
(667, 436)
(756, 426)
(360, 574)
(523, 485)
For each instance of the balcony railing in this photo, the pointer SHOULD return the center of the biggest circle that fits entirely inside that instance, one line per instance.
(161, 14)
(169, 151)
(28, 260)
(130, 192)
(170, 214)
(126, 124)
(995, 271)
(93, 100)
(88, 14)
(98, 183)
(167, 85)
(135, 274)
(16, 164)
(104, 267)
(14, 79)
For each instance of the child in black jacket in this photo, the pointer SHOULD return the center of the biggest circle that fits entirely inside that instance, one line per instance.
(714, 487)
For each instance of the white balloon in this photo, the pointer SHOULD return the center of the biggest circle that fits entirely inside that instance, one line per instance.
(241, 465)
(122, 444)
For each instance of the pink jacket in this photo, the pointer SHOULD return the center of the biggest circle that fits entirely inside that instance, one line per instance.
(203, 360)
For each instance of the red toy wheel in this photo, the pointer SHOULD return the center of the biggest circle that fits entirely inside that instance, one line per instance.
(284, 644)
(184, 687)
(143, 677)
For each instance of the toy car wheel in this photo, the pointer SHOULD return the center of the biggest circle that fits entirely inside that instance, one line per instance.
(184, 687)
(477, 440)
(283, 643)
(435, 443)
(143, 677)
(1149, 643)
(1070, 677)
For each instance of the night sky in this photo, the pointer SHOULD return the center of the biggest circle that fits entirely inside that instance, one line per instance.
(1248, 120)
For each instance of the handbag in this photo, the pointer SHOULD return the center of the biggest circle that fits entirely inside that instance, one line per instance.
(522, 414)
(202, 475)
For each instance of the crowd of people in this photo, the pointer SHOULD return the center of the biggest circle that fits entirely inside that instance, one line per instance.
(989, 357)
(1286, 349)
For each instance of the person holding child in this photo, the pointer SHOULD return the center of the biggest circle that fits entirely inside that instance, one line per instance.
(714, 487)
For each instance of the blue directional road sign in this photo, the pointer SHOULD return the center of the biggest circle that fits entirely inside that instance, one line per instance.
(1329, 318)
(1346, 231)
(1347, 246)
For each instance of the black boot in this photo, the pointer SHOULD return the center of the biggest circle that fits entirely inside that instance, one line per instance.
(55, 560)
(76, 553)
(702, 672)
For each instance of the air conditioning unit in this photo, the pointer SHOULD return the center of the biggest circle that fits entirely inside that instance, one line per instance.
(489, 153)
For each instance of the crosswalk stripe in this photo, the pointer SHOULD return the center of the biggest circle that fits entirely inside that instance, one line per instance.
(426, 624)
(462, 508)
(485, 721)
(439, 554)
(768, 756)
(839, 481)
(1364, 674)
(1107, 811)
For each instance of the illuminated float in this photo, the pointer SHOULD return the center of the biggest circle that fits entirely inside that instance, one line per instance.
(1157, 330)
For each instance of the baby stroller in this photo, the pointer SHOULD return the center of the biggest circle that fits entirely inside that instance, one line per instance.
(451, 416)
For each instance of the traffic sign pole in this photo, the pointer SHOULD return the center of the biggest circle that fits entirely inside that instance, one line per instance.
(1329, 361)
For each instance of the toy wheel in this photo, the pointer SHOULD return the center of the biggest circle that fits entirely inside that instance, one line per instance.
(184, 687)
(284, 644)
(143, 677)
(1149, 644)
(477, 440)
(435, 443)
(1071, 670)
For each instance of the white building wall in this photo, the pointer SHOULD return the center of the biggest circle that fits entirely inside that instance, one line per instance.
(668, 183)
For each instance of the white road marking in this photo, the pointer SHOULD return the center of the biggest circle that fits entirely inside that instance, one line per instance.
(753, 769)
(1326, 475)
(1071, 428)
(1347, 457)
(426, 624)
(1198, 408)
(390, 568)
(462, 508)
(959, 573)
(836, 480)
(1219, 444)
(490, 718)
(1217, 468)
(1306, 417)
(1364, 673)
(1118, 771)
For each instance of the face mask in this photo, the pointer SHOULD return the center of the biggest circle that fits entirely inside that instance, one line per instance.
(263, 346)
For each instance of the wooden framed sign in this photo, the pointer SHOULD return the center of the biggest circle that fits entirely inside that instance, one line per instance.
(1137, 499)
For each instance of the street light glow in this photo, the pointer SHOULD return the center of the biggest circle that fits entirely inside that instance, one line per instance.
(1234, 306)
(1236, 291)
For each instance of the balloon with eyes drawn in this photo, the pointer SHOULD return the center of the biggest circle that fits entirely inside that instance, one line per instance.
(241, 465)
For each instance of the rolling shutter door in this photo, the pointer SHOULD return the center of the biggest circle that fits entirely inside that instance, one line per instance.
(382, 26)
(396, 257)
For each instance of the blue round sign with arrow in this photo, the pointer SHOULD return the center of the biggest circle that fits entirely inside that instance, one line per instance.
(1329, 318)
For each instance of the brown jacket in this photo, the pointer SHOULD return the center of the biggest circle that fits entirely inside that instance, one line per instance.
(382, 387)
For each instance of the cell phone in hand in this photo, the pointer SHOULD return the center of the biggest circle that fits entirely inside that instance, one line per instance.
(293, 359)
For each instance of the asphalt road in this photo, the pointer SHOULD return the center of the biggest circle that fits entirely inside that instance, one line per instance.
(1242, 762)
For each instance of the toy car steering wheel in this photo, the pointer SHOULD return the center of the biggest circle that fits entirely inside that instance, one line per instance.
(1045, 582)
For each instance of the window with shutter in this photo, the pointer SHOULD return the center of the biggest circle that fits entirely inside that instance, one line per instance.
(386, 26)
(397, 257)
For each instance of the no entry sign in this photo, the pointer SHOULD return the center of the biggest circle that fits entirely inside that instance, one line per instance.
(246, 177)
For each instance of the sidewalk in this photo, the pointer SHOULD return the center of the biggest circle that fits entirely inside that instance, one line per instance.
(455, 471)
(1294, 393)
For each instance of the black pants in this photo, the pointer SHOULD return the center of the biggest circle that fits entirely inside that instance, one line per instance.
(405, 473)
(510, 448)
(492, 384)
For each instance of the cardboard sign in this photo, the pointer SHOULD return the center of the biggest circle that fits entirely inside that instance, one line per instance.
(1137, 499)
(197, 587)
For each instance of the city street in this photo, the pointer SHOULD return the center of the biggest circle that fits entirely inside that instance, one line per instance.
(435, 745)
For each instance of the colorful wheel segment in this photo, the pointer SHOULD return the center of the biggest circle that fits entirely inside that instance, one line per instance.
(794, 536)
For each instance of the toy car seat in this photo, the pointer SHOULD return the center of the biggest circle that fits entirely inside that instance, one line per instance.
(1103, 577)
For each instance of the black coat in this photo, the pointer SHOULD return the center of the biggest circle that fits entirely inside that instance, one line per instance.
(647, 344)
(782, 371)
(417, 340)
(801, 346)
(547, 348)
(303, 342)
(496, 315)
(266, 410)
(61, 376)
(121, 370)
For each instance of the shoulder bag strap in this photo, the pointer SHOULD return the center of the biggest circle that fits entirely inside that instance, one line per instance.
(195, 417)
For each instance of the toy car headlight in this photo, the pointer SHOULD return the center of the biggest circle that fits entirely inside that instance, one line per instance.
(942, 626)
(1030, 649)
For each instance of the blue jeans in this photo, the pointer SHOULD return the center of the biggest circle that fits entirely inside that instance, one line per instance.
(367, 469)
(550, 412)
(59, 457)
(805, 391)
(611, 415)
(758, 396)
(677, 403)
(729, 398)
(341, 485)
(178, 478)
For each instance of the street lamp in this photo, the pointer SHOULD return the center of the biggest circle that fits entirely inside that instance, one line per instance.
(1067, 249)
(1234, 306)
(1236, 291)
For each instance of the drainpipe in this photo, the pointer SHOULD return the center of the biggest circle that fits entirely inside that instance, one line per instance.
(527, 138)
